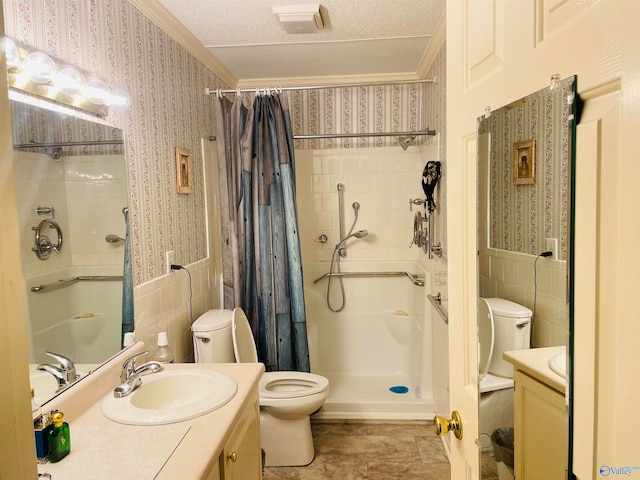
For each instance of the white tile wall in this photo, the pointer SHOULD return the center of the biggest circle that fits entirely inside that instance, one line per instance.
(382, 180)
(511, 276)
(163, 304)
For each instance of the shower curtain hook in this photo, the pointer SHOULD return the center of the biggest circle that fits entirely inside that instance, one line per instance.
(238, 93)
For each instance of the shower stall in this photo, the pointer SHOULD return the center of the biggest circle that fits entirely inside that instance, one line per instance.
(377, 351)
(372, 334)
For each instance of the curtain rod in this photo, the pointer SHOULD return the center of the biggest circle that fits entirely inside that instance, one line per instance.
(431, 133)
(69, 144)
(213, 91)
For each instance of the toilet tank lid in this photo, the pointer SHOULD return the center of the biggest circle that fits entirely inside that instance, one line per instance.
(507, 308)
(212, 320)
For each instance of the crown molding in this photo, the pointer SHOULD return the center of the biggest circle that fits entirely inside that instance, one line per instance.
(435, 45)
(159, 15)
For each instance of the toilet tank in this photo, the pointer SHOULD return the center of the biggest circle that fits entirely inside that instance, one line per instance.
(512, 331)
(212, 340)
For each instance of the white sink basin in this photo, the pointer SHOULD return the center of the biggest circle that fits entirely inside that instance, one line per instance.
(558, 364)
(44, 385)
(171, 396)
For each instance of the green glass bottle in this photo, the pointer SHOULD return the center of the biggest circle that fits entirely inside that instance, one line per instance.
(58, 438)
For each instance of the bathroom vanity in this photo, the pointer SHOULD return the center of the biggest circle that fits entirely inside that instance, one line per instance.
(540, 415)
(221, 445)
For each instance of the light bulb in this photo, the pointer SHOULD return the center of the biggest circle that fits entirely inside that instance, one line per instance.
(98, 92)
(10, 50)
(70, 81)
(40, 68)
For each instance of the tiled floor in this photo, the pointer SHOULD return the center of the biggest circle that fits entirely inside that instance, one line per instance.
(366, 450)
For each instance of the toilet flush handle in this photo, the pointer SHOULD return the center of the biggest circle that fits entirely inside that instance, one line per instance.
(522, 323)
(203, 339)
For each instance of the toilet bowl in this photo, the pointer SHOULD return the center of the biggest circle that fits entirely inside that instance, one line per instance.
(287, 399)
(503, 326)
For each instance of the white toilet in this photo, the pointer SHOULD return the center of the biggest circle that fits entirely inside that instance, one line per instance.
(286, 398)
(503, 326)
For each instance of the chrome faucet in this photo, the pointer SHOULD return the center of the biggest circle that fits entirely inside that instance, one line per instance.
(65, 373)
(130, 375)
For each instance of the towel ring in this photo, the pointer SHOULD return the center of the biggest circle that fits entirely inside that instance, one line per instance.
(43, 246)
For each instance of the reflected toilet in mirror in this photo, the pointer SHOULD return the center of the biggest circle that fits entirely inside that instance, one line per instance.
(524, 249)
(502, 326)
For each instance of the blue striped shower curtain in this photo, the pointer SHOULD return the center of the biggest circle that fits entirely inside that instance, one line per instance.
(262, 268)
(127, 283)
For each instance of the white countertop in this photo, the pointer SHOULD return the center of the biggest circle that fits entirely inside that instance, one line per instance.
(186, 450)
(535, 363)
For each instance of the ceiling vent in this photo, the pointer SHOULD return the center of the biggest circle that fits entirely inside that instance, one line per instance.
(299, 18)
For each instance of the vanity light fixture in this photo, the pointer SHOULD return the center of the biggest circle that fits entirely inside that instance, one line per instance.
(38, 74)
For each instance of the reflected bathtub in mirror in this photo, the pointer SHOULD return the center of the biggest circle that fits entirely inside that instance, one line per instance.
(70, 169)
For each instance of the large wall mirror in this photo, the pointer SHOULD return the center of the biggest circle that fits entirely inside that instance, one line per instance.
(525, 159)
(72, 195)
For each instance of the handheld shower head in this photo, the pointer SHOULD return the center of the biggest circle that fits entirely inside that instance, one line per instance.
(111, 238)
(358, 234)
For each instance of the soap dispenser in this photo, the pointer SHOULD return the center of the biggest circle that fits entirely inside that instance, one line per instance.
(58, 438)
(163, 353)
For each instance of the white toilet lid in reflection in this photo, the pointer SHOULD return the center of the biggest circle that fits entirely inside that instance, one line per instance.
(487, 336)
(291, 384)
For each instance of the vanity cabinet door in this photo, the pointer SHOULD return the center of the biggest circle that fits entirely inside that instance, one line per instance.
(242, 455)
(540, 421)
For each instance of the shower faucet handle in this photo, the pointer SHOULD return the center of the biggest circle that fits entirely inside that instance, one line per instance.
(322, 239)
(416, 201)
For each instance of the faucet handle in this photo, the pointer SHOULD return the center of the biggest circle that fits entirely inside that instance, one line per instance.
(65, 363)
(129, 364)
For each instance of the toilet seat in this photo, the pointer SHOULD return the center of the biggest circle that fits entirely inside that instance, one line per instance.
(491, 383)
(273, 385)
(291, 384)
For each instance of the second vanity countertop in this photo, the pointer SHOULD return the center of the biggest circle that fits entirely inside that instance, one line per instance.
(185, 450)
(535, 363)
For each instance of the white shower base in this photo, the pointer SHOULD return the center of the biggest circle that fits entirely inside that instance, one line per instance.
(381, 339)
(369, 397)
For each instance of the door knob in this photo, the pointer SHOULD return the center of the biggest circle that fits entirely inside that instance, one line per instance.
(441, 425)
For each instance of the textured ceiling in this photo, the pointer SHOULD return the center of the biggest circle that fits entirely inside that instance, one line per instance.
(376, 38)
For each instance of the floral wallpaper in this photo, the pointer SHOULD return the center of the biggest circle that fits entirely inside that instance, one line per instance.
(117, 43)
(522, 216)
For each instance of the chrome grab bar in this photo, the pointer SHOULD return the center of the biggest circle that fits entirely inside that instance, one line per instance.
(70, 281)
(437, 304)
(416, 280)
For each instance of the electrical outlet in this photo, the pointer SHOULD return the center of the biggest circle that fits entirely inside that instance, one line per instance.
(551, 245)
(169, 257)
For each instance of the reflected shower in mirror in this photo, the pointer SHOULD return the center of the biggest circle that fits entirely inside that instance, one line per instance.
(525, 155)
(70, 173)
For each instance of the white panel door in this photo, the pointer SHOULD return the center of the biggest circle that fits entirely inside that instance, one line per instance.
(499, 51)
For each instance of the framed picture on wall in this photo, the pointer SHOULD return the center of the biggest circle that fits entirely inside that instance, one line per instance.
(184, 170)
(524, 162)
